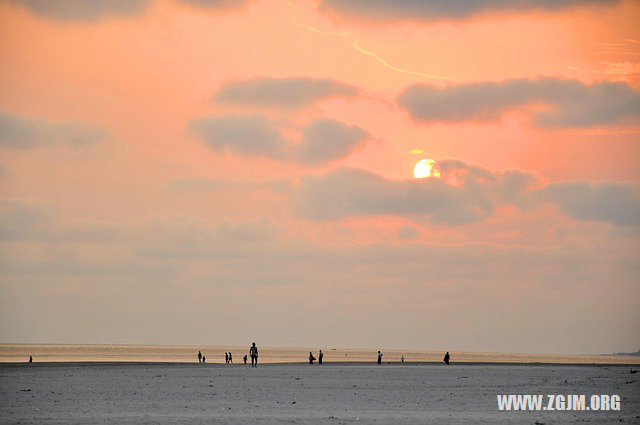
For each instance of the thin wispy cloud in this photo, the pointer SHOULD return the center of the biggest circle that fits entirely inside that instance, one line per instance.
(355, 44)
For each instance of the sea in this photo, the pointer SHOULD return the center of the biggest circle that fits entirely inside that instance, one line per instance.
(16, 353)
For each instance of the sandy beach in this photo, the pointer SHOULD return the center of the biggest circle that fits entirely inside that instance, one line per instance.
(93, 393)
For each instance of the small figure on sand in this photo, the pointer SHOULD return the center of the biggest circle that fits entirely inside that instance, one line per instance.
(320, 355)
(204, 359)
(245, 359)
(253, 352)
(226, 357)
(311, 358)
(379, 357)
(402, 359)
(199, 356)
(30, 359)
(447, 357)
(230, 357)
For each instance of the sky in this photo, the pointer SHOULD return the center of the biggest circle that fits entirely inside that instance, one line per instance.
(215, 172)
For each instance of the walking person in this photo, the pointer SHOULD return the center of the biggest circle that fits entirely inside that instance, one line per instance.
(402, 359)
(226, 357)
(30, 359)
(446, 358)
(204, 359)
(199, 357)
(230, 358)
(245, 359)
(253, 352)
(320, 355)
(379, 357)
(311, 358)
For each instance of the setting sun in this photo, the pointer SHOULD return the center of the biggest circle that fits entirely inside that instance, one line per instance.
(426, 168)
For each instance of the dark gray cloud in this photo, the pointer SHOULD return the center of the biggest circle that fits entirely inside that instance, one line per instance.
(19, 132)
(83, 10)
(616, 203)
(249, 135)
(216, 4)
(284, 92)
(327, 140)
(353, 192)
(570, 103)
(95, 10)
(323, 140)
(464, 194)
(445, 9)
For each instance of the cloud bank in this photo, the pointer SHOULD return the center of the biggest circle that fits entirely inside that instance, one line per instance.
(445, 9)
(19, 132)
(616, 203)
(323, 140)
(569, 103)
(465, 194)
(285, 92)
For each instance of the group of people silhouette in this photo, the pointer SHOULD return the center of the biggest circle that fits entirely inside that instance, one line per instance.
(228, 357)
(253, 352)
(312, 358)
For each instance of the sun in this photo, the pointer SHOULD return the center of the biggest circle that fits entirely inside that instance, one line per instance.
(426, 168)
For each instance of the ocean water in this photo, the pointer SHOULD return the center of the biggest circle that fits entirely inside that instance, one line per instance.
(188, 353)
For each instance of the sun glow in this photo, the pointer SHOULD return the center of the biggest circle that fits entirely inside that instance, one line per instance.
(426, 168)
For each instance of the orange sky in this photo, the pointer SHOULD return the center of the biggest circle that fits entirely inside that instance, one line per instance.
(119, 209)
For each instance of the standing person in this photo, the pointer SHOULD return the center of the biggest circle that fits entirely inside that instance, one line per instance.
(226, 357)
(253, 352)
(379, 357)
(30, 359)
(199, 357)
(311, 358)
(245, 359)
(230, 358)
(447, 357)
(320, 355)
(402, 359)
(204, 359)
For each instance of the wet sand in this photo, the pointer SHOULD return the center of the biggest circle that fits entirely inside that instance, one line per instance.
(98, 393)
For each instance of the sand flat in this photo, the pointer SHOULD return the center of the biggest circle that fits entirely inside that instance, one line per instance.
(97, 393)
(215, 354)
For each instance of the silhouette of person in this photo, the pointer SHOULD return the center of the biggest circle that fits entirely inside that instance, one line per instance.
(245, 359)
(199, 357)
(379, 357)
(204, 359)
(253, 352)
(230, 357)
(226, 357)
(447, 357)
(320, 356)
(30, 359)
(402, 359)
(311, 358)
